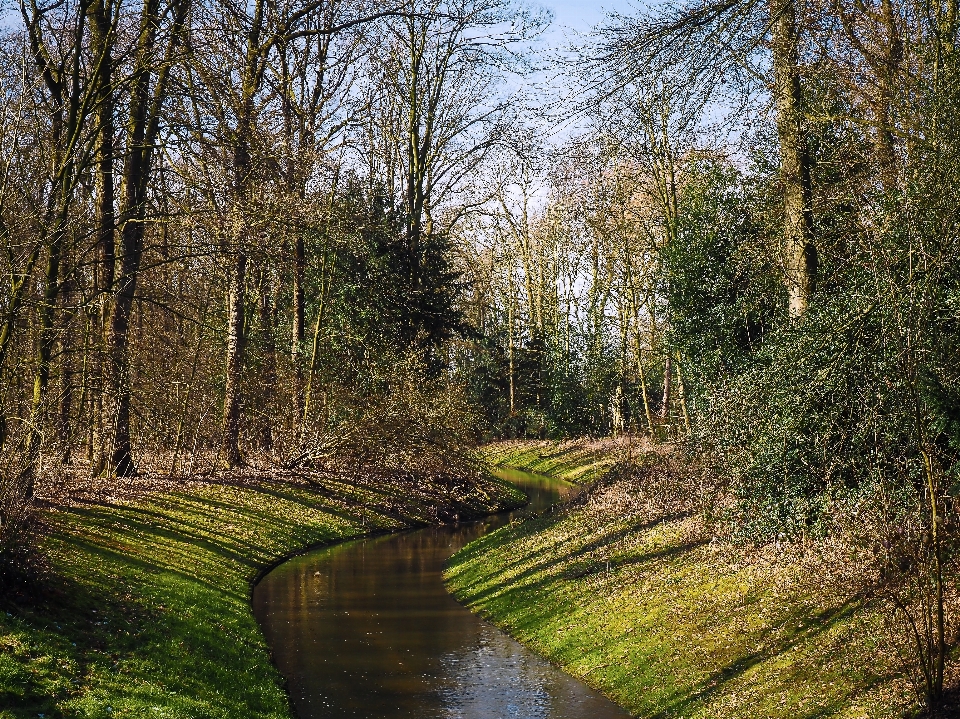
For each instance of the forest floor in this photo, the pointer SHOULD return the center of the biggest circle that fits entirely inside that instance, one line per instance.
(142, 606)
(645, 604)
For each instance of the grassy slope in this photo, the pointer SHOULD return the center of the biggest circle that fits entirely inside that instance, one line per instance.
(146, 611)
(666, 623)
(577, 462)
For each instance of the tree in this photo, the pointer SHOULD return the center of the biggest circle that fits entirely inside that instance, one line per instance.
(434, 105)
(255, 36)
(800, 257)
(706, 46)
(67, 98)
(149, 83)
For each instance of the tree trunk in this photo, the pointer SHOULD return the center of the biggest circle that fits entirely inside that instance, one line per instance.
(230, 447)
(892, 55)
(45, 344)
(667, 382)
(237, 294)
(120, 454)
(510, 349)
(682, 396)
(299, 320)
(100, 38)
(800, 258)
(269, 362)
(147, 95)
(64, 428)
(643, 391)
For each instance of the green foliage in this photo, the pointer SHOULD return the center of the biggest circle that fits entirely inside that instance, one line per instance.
(722, 288)
(385, 293)
(815, 416)
(558, 391)
(839, 406)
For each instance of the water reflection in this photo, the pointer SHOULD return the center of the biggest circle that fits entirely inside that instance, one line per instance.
(367, 629)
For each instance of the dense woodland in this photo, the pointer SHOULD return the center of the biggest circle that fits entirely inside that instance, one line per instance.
(287, 232)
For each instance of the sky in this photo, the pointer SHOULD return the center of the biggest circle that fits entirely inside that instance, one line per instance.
(582, 16)
(570, 18)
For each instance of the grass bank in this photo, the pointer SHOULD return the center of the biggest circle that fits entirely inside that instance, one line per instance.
(638, 600)
(578, 461)
(144, 609)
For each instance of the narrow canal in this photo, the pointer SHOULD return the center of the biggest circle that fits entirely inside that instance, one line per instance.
(367, 629)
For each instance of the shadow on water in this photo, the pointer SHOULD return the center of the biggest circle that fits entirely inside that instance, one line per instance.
(367, 629)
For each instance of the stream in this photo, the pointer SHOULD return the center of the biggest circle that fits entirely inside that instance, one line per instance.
(366, 628)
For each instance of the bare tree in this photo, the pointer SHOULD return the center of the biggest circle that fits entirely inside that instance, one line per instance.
(706, 47)
(153, 62)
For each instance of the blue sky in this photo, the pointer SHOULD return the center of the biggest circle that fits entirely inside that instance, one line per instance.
(582, 16)
(569, 18)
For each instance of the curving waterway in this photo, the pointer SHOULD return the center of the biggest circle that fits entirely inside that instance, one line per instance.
(367, 629)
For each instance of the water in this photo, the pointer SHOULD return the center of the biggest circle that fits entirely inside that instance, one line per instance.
(367, 629)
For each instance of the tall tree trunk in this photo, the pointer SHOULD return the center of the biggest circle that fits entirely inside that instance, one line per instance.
(120, 456)
(64, 428)
(667, 388)
(147, 95)
(635, 312)
(800, 257)
(230, 447)
(236, 300)
(269, 361)
(682, 396)
(116, 407)
(299, 303)
(84, 406)
(101, 42)
(46, 341)
(510, 349)
(643, 389)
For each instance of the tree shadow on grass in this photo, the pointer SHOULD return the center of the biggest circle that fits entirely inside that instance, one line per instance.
(67, 628)
(121, 589)
(533, 589)
(565, 561)
(776, 644)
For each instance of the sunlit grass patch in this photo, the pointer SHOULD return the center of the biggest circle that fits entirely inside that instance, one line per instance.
(574, 461)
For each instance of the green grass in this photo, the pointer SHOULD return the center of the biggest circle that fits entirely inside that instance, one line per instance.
(145, 608)
(670, 624)
(576, 462)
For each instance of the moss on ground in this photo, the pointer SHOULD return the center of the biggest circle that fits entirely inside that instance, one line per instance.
(668, 623)
(144, 610)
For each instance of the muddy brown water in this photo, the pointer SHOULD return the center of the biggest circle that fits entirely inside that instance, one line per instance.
(367, 629)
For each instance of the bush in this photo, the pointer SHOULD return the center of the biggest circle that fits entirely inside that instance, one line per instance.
(17, 526)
